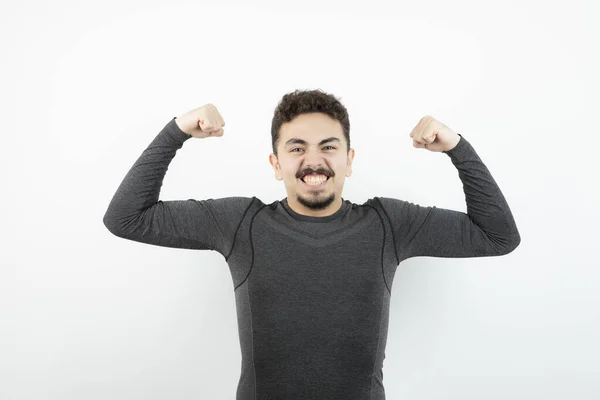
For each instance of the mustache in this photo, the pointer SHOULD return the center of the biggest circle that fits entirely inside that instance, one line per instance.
(312, 171)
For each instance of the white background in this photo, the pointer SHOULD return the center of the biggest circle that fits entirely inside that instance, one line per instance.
(86, 88)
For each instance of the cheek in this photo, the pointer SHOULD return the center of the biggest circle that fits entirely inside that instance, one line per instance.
(290, 169)
(341, 166)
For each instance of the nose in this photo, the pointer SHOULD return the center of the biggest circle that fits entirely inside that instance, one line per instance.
(314, 167)
(313, 160)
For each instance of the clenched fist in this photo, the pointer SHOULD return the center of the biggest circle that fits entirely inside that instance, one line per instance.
(202, 122)
(432, 135)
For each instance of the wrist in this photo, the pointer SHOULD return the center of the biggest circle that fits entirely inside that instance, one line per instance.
(454, 142)
(183, 125)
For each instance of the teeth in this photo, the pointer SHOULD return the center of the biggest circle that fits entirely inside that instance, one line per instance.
(314, 181)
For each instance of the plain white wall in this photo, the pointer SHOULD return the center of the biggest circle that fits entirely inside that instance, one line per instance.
(86, 88)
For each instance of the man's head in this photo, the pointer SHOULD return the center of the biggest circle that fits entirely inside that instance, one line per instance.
(310, 134)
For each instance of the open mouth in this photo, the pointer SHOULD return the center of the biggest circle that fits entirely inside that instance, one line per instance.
(314, 186)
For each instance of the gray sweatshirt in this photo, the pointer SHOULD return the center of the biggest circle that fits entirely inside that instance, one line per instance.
(312, 293)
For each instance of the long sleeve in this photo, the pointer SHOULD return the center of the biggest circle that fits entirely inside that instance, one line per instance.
(136, 213)
(487, 229)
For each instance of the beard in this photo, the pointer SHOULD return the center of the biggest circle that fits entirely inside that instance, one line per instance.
(316, 202)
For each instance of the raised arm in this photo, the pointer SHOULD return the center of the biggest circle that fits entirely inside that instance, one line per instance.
(487, 229)
(136, 213)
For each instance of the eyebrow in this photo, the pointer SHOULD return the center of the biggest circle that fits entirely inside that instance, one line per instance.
(300, 141)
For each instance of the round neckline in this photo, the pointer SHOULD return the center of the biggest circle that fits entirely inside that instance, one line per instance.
(312, 218)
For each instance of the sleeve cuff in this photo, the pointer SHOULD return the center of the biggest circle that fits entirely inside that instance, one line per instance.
(462, 148)
(175, 132)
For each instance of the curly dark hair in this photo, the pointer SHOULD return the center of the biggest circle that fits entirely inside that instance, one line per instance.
(304, 102)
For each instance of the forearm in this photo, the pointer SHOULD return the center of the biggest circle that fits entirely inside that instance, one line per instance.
(486, 205)
(140, 188)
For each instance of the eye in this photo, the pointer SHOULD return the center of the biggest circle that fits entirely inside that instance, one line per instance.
(298, 148)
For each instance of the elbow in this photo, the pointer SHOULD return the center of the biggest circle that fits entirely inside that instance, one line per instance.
(111, 225)
(511, 244)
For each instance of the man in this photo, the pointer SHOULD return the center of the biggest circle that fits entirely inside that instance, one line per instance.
(312, 273)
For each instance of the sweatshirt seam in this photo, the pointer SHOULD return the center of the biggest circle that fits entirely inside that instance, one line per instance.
(251, 247)
(238, 228)
(382, 248)
(391, 228)
(418, 230)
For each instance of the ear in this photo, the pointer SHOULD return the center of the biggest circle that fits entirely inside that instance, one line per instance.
(350, 159)
(275, 164)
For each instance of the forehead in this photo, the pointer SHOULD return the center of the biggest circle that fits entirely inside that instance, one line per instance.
(311, 127)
